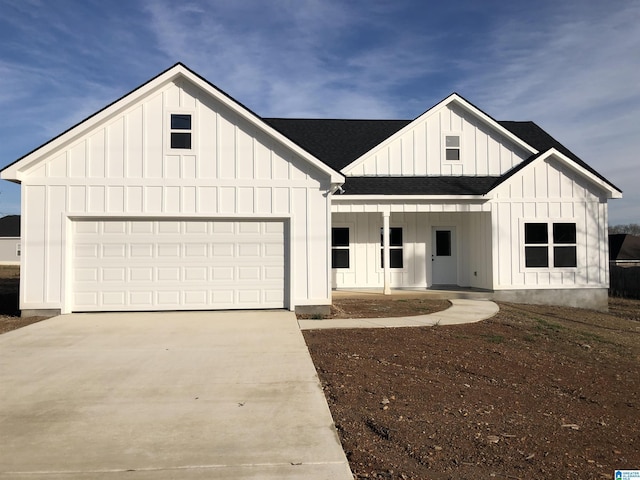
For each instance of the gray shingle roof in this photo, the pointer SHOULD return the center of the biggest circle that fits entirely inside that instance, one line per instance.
(339, 142)
(418, 185)
(10, 226)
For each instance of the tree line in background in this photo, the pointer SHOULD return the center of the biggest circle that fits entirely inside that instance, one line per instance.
(632, 229)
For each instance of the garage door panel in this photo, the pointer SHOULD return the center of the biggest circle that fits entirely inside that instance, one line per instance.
(155, 265)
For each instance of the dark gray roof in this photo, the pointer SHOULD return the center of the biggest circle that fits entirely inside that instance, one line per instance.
(623, 246)
(10, 226)
(336, 142)
(339, 142)
(418, 185)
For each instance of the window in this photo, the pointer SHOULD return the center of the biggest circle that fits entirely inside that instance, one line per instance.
(558, 249)
(452, 147)
(181, 131)
(443, 243)
(395, 247)
(340, 247)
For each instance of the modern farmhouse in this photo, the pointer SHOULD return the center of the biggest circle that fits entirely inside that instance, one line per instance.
(177, 197)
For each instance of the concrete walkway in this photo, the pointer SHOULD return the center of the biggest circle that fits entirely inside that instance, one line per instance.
(461, 311)
(171, 395)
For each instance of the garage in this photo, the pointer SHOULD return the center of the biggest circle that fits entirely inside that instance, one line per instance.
(129, 265)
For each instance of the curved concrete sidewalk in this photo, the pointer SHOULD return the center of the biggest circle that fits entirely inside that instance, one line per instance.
(461, 311)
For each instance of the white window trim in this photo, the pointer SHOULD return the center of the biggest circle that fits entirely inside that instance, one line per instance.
(169, 131)
(444, 147)
(549, 245)
(351, 227)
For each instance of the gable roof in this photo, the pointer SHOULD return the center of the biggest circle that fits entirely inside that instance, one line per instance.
(623, 246)
(10, 226)
(339, 143)
(179, 70)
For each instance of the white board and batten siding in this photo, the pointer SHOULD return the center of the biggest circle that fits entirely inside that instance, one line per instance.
(473, 241)
(419, 149)
(123, 168)
(549, 192)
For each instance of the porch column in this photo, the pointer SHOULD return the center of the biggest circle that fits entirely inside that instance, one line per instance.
(385, 252)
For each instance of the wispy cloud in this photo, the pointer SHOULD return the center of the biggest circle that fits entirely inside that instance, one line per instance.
(292, 58)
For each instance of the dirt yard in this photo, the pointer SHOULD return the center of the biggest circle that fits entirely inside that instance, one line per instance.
(535, 392)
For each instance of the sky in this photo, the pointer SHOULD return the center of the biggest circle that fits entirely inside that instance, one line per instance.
(572, 66)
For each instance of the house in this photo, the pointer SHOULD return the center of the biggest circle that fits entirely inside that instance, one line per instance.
(176, 196)
(624, 250)
(10, 240)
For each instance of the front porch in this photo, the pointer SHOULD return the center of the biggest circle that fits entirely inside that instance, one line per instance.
(381, 248)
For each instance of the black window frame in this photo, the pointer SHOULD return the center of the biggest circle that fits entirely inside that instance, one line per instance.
(551, 244)
(181, 131)
(452, 150)
(340, 250)
(396, 247)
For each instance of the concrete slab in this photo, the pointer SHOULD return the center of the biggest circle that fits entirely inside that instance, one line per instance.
(164, 395)
(461, 311)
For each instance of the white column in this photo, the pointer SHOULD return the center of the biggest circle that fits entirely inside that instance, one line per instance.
(385, 253)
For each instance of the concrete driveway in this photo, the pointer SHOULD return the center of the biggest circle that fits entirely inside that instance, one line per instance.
(188, 395)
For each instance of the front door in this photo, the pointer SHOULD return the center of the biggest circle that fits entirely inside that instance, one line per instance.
(444, 261)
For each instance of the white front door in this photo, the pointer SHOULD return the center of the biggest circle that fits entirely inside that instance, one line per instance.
(444, 262)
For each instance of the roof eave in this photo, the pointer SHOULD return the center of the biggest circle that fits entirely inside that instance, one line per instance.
(382, 197)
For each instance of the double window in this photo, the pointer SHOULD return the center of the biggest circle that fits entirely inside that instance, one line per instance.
(181, 131)
(452, 147)
(550, 243)
(395, 247)
(340, 247)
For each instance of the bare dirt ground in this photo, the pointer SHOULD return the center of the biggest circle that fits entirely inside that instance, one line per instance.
(9, 314)
(535, 392)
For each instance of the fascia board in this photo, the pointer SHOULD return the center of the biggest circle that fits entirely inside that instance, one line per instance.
(454, 97)
(412, 198)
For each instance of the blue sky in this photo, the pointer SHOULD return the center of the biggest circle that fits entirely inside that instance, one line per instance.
(572, 66)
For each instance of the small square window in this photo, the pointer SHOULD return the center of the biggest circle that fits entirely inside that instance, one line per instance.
(564, 233)
(181, 140)
(340, 237)
(536, 233)
(340, 258)
(564, 257)
(180, 122)
(536, 257)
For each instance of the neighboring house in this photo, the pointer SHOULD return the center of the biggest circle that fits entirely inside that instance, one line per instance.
(624, 250)
(176, 197)
(10, 240)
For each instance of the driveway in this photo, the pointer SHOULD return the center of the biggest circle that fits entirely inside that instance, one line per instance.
(171, 395)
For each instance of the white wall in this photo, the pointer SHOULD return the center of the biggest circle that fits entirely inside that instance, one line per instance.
(420, 150)
(9, 251)
(549, 191)
(124, 168)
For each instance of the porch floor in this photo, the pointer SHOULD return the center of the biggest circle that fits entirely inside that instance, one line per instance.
(443, 292)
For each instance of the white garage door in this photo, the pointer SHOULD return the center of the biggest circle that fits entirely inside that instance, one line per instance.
(177, 265)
